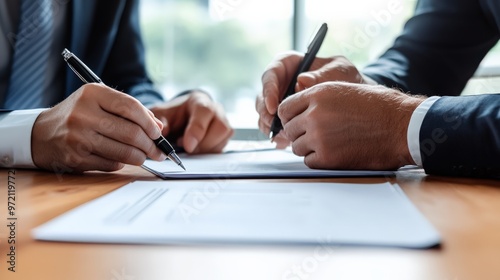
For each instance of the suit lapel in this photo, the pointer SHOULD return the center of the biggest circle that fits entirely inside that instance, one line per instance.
(81, 14)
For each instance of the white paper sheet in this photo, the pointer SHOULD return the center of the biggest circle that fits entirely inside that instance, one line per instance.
(248, 164)
(228, 211)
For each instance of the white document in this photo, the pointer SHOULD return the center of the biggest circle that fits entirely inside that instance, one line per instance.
(225, 211)
(269, 163)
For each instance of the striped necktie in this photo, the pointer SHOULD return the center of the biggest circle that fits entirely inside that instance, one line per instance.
(33, 42)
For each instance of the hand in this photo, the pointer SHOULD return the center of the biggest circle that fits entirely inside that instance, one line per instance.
(198, 123)
(279, 73)
(96, 128)
(337, 125)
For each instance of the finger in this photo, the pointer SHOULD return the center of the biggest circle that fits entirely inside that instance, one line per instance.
(271, 93)
(329, 72)
(264, 114)
(302, 146)
(95, 162)
(264, 127)
(127, 132)
(312, 160)
(165, 125)
(213, 139)
(276, 78)
(262, 111)
(218, 132)
(197, 127)
(331, 69)
(115, 151)
(127, 107)
(163, 114)
(296, 127)
(293, 106)
(281, 141)
(219, 148)
(306, 80)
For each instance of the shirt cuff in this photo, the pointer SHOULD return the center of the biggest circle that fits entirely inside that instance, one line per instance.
(15, 146)
(416, 121)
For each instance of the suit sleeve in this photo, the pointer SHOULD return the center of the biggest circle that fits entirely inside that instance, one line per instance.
(125, 67)
(439, 49)
(460, 136)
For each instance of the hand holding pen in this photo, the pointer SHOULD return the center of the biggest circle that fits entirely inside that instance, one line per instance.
(87, 76)
(305, 64)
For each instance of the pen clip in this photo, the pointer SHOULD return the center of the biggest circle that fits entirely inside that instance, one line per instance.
(78, 74)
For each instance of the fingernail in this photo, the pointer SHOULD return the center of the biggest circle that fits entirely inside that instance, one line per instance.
(191, 144)
(157, 133)
(159, 123)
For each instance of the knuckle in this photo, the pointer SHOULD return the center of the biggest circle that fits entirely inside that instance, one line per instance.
(281, 113)
(313, 162)
(296, 149)
(288, 131)
(312, 115)
(205, 109)
(152, 150)
(131, 103)
(87, 91)
(316, 133)
(71, 160)
(222, 126)
(309, 162)
(73, 120)
(339, 57)
(125, 104)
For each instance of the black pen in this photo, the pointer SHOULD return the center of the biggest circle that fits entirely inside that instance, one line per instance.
(87, 76)
(304, 65)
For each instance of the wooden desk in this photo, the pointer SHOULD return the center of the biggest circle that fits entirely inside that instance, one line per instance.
(466, 212)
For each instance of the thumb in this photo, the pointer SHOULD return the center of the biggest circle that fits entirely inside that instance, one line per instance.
(309, 79)
(306, 80)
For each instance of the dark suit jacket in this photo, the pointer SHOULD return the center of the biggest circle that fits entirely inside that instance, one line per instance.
(439, 50)
(105, 35)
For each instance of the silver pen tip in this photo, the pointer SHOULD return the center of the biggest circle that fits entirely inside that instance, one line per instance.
(271, 136)
(175, 158)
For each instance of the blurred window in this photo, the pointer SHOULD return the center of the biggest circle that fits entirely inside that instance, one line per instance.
(223, 46)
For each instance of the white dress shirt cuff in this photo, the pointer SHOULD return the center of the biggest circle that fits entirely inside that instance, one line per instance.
(414, 128)
(15, 146)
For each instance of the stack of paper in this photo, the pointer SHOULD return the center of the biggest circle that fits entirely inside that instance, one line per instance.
(225, 211)
(249, 164)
